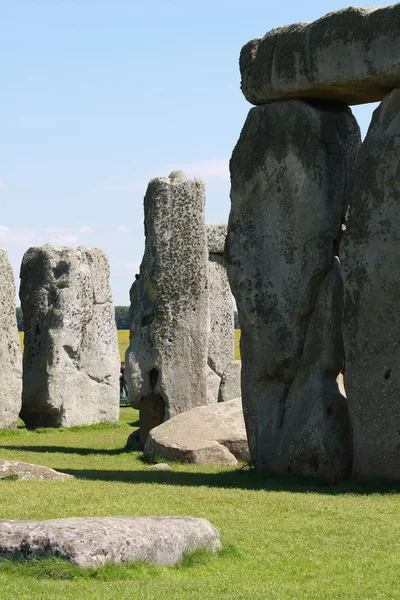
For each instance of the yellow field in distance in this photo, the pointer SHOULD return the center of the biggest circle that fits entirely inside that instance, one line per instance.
(123, 342)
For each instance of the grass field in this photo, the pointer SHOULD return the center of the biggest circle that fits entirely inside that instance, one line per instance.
(286, 538)
(123, 342)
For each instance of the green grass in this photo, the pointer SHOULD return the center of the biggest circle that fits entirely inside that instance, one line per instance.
(237, 344)
(284, 537)
(123, 342)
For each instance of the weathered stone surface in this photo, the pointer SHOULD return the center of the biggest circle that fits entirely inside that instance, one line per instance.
(351, 56)
(205, 435)
(166, 362)
(221, 343)
(216, 236)
(23, 470)
(371, 256)
(10, 351)
(230, 382)
(95, 541)
(71, 358)
(213, 385)
(289, 172)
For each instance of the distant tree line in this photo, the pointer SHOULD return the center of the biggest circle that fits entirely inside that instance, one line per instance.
(121, 318)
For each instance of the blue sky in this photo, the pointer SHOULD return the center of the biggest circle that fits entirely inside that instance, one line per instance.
(99, 96)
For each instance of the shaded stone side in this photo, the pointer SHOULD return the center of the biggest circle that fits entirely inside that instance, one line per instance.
(71, 358)
(371, 257)
(221, 344)
(290, 171)
(166, 362)
(10, 351)
(350, 56)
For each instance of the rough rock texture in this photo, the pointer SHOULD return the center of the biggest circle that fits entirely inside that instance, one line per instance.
(371, 256)
(205, 435)
(216, 236)
(22, 470)
(213, 385)
(230, 382)
(95, 541)
(351, 56)
(166, 362)
(71, 359)
(10, 351)
(289, 175)
(221, 343)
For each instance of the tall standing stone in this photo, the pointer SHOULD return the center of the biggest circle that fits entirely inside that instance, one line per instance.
(166, 362)
(10, 351)
(371, 258)
(221, 343)
(289, 173)
(71, 358)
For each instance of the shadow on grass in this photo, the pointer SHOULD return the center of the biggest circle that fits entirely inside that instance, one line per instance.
(241, 478)
(244, 478)
(49, 567)
(68, 450)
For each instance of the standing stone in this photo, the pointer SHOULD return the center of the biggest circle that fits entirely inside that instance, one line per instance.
(351, 56)
(371, 258)
(10, 351)
(71, 358)
(166, 362)
(289, 174)
(221, 343)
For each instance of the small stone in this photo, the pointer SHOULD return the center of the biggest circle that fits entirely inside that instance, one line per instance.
(24, 471)
(160, 467)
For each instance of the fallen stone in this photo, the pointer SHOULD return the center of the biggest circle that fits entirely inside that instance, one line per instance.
(96, 541)
(230, 387)
(71, 357)
(10, 350)
(166, 362)
(23, 471)
(370, 256)
(204, 435)
(216, 236)
(290, 173)
(349, 56)
(160, 467)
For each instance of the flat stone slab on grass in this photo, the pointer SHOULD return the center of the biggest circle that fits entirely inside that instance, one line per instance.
(25, 470)
(212, 434)
(95, 541)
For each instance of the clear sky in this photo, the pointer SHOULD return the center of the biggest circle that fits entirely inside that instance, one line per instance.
(99, 96)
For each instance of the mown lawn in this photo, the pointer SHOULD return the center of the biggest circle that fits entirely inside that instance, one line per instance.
(123, 342)
(286, 538)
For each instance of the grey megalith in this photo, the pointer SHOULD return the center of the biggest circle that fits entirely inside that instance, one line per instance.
(351, 56)
(204, 435)
(166, 362)
(96, 541)
(71, 358)
(370, 256)
(10, 351)
(221, 343)
(289, 172)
